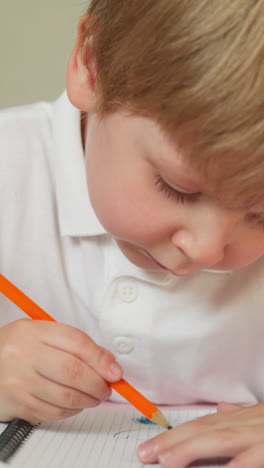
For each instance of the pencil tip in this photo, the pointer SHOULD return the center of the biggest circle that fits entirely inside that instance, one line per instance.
(160, 419)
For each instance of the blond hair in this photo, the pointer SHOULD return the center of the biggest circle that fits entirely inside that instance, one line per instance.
(197, 68)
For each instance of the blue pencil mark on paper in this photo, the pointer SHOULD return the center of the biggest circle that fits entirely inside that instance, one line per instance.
(134, 433)
(130, 434)
(143, 420)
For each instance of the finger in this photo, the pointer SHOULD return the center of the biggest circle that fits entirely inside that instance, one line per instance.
(34, 411)
(70, 371)
(223, 442)
(76, 342)
(208, 423)
(251, 458)
(61, 396)
(220, 443)
(179, 433)
(224, 406)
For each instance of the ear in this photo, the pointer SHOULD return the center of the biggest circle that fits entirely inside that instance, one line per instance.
(81, 74)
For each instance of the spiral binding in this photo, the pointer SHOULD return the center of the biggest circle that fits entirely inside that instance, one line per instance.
(13, 436)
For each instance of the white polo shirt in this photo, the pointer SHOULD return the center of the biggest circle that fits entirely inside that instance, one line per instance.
(179, 340)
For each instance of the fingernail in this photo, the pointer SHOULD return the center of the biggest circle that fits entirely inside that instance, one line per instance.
(115, 369)
(145, 452)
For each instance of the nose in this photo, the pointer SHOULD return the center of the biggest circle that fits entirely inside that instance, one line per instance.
(204, 241)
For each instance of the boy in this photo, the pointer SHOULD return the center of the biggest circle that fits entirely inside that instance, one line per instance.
(159, 264)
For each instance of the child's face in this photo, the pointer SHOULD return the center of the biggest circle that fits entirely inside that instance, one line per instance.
(154, 205)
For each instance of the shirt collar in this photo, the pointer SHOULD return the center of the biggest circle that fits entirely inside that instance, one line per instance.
(76, 215)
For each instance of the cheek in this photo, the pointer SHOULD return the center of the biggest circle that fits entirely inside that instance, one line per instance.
(254, 251)
(247, 251)
(126, 211)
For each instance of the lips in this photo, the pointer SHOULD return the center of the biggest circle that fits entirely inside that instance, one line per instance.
(159, 264)
(156, 262)
(186, 272)
(183, 273)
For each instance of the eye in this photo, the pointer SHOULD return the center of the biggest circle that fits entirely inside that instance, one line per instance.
(173, 193)
(256, 219)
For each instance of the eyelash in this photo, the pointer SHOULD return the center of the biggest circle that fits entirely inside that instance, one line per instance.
(255, 219)
(181, 197)
(173, 193)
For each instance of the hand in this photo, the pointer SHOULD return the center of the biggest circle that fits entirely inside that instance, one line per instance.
(233, 431)
(51, 371)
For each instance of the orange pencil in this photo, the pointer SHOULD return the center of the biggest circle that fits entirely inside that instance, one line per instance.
(122, 386)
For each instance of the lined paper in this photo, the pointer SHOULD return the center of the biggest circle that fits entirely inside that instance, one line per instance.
(106, 436)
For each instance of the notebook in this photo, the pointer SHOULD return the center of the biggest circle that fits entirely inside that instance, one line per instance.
(101, 437)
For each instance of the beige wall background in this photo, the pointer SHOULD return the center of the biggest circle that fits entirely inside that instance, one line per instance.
(36, 38)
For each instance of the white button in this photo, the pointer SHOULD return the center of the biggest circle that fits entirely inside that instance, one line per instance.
(128, 291)
(123, 344)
